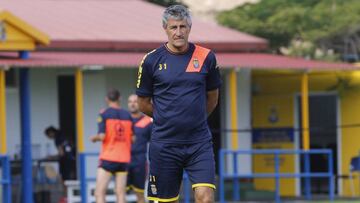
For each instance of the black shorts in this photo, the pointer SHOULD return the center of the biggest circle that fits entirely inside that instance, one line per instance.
(167, 163)
(113, 167)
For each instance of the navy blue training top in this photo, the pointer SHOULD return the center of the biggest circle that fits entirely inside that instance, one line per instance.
(142, 131)
(177, 84)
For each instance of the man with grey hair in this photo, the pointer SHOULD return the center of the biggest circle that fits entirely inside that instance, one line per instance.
(178, 85)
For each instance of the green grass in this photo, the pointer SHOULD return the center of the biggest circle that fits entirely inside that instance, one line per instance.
(324, 201)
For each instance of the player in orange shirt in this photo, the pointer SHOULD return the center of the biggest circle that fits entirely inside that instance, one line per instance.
(115, 132)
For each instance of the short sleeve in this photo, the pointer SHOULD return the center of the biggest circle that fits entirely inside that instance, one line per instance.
(101, 124)
(144, 86)
(213, 79)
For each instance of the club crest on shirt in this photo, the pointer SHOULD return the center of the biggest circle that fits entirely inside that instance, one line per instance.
(153, 189)
(196, 63)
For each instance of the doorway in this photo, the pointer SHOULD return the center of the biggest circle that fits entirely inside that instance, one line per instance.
(66, 102)
(323, 122)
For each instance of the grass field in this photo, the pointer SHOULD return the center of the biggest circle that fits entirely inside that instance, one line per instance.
(353, 200)
(300, 201)
(336, 201)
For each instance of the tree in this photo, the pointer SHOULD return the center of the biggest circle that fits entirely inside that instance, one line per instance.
(326, 24)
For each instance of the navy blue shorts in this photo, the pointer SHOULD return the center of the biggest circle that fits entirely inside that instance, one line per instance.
(137, 174)
(167, 163)
(113, 167)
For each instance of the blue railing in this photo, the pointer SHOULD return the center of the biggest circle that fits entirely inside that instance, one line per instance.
(83, 176)
(235, 175)
(84, 179)
(6, 179)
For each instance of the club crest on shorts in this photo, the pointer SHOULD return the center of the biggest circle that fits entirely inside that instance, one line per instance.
(196, 63)
(153, 189)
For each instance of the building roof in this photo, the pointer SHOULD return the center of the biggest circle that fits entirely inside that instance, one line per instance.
(132, 60)
(271, 61)
(125, 24)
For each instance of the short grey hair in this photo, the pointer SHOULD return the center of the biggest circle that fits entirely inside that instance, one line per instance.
(176, 12)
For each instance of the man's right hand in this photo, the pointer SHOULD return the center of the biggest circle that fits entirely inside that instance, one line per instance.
(145, 105)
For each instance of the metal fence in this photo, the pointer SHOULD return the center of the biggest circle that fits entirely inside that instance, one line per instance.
(235, 175)
(84, 179)
(5, 180)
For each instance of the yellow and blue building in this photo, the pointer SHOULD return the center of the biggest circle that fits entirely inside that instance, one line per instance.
(82, 49)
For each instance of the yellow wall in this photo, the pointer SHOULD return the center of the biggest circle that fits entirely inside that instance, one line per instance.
(350, 105)
(261, 105)
(278, 90)
(20, 36)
